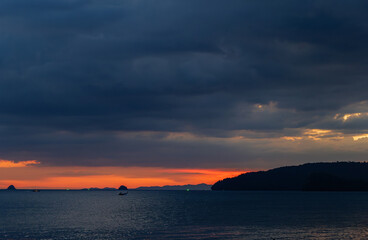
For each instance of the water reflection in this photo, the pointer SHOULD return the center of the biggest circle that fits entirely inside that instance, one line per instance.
(183, 215)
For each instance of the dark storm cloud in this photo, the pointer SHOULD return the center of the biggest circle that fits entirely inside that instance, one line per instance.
(91, 68)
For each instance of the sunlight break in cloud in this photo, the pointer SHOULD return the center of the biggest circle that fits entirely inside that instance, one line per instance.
(318, 134)
(358, 137)
(349, 116)
(288, 138)
(12, 164)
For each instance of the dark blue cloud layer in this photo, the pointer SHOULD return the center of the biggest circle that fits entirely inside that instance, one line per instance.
(96, 67)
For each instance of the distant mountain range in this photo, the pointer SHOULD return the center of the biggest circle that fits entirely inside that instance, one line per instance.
(99, 189)
(338, 176)
(122, 187)
(201, 186)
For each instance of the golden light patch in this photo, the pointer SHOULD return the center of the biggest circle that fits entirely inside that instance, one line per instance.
(353, 115)
(350, 116)
(316, 134)
(12, 164)
(291, 138)
(319, 134)
(271, 106)
(259, 106)
(358, 137)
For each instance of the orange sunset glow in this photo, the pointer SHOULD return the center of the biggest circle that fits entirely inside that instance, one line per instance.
(86, 177)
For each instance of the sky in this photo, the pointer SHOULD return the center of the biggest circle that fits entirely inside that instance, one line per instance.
(142, 93)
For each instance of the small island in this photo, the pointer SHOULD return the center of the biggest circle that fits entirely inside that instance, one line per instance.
(11, 187)
(123, 188)
(337, 176)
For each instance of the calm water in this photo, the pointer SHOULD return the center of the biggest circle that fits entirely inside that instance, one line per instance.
(183, 215)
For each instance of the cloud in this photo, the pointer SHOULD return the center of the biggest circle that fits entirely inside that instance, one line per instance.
(82, 82)
(12, 164)
(358, 137)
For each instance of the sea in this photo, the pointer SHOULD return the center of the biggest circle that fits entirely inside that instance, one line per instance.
(183, 215)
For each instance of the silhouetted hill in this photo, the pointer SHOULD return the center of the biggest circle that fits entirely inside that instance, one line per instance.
(338, 176)
(11, 187)
(122, 187)
(201, 186)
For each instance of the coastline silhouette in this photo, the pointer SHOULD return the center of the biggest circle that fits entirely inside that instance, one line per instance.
(337, 176)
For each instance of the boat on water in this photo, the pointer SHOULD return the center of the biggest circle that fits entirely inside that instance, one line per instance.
(121, 193)
(35, 190)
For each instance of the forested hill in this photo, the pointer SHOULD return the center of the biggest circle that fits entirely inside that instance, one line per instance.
(338, 176)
